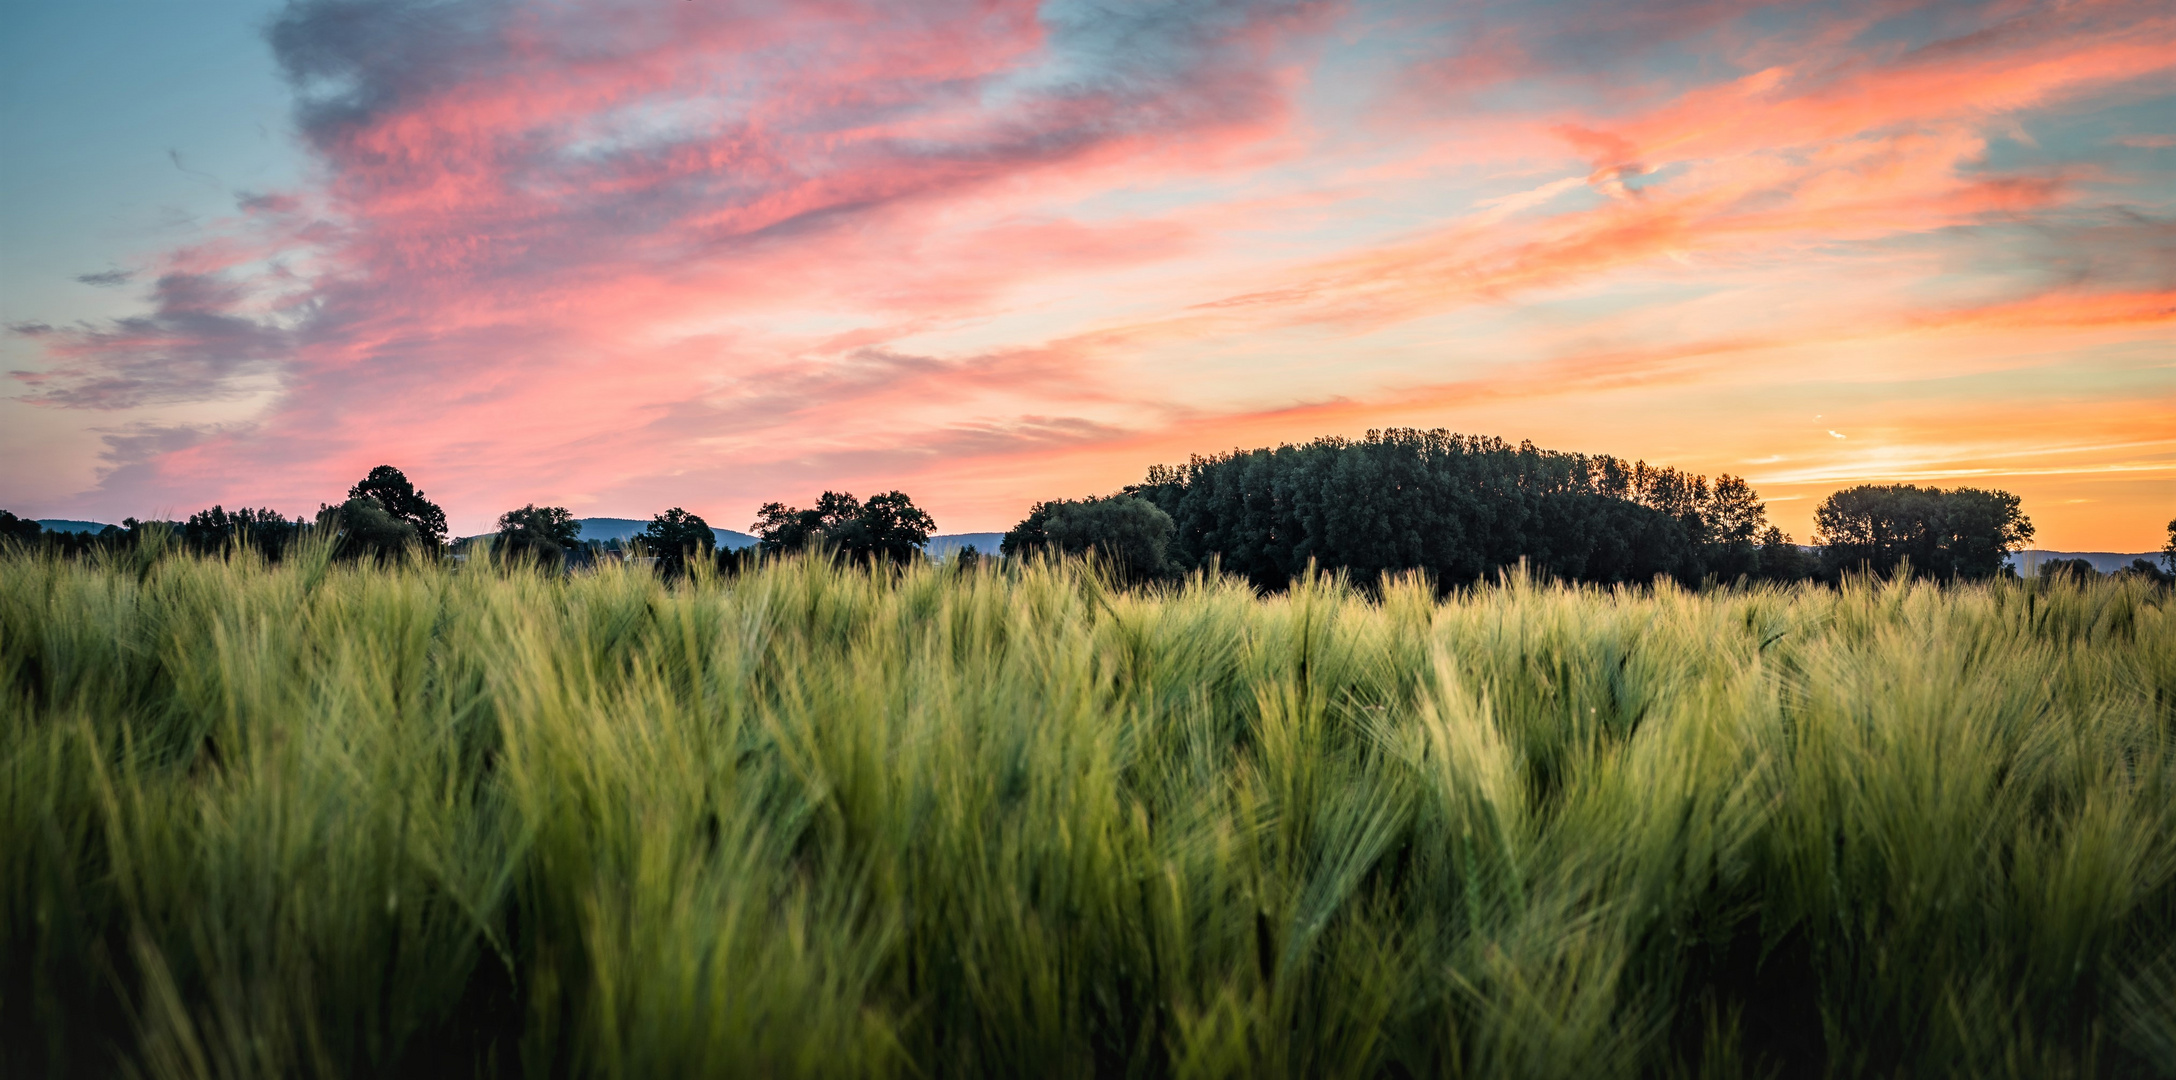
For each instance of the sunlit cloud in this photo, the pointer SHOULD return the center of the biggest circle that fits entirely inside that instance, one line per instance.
(626, 255)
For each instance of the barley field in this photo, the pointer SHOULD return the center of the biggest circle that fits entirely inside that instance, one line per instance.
(320, 819)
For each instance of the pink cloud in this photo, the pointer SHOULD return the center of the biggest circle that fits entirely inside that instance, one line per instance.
(645, 253)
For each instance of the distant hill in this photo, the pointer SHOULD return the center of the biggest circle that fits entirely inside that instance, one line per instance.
(2027, 563)
(605, 528)
(66, 525)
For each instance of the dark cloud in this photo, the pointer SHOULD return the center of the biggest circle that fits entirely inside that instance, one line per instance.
(2109, 247)
(192, 347)
(352, 60)
(107, 278)
(30, 329)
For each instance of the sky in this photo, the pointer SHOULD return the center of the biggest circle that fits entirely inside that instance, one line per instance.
(620, 256)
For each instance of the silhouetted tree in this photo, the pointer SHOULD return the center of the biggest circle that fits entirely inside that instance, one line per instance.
(1130, 532)
(364, 529)
(1030, 535)
(1979, 530)
(1733, 515)
(543, 533)
(781, 529)
(1782, 560)
(396, 496)
(72, 545)
(2168, 550)
(892, 529)
(2145, 568)
(2072, 569)
(24, 531)
(889, 527)
(676, 535)
(1964, 532)
(966, 560)
(217, 529)
(1461, 507)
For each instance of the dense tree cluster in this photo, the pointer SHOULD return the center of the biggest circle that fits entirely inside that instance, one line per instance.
(1460, 507)
(545, 535)
(887, 528)
(1963, 532)
(2070, 569)
(1131, 534)
(363, 528)
(264, 529)
(19, 530)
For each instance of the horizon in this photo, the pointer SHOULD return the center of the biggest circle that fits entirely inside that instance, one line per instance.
(709, 255)
(2014, 555)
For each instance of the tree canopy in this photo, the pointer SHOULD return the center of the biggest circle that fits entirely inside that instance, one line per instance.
(1457, 506)
(216, 529)
(1130, 532)
(2074, 569)
(1963, 532)
(675, 535)
(677, 532)
(20, 530)
(399, 498)
(889, 527)
(2145, 568)
(364, 528)
(544, 533)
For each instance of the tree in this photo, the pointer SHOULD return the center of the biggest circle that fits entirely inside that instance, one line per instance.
(2070, 569)
(892, 529)
(1461, 507)
(544, 533)
(2168, 551)
(216, 529)
(2145, 568)
(966, 560)
(24, 531)
(1782, 560)
(888, 527)
(1965, 532)
(1733, 518)
(390, 487)
(674, 536)
(1979, 530)
(362, 528)
(1130, 532)
(780, 529)
(1031, 534)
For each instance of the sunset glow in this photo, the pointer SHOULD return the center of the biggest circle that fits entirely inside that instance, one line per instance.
(621, 256)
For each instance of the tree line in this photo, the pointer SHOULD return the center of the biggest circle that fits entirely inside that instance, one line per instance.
(385, 515)
(1460, 508)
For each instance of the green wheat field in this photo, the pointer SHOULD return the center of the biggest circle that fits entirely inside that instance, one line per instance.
(322, 819)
